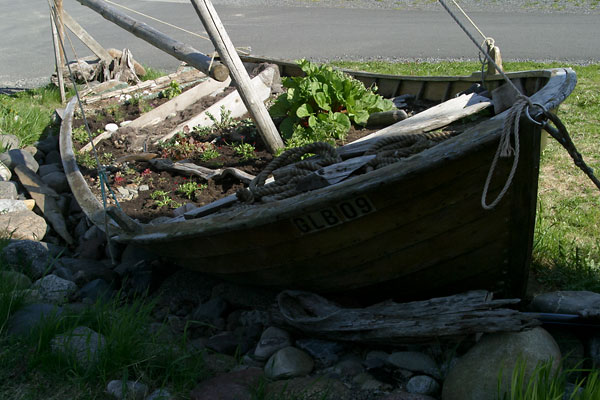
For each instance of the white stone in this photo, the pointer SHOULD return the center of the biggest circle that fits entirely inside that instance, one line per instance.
(83, 343)
(9, 206)
(111, 127)
(128, 390)
(288, 362)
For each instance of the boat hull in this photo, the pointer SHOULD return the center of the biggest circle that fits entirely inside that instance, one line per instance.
(413, 229)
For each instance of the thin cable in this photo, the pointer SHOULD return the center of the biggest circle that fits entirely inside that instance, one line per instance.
(489, 58)
(158, 20)
(470, 20)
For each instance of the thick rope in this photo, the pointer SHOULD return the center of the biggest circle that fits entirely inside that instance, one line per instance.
(285, 185)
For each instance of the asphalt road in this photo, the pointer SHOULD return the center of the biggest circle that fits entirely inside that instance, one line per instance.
(319, 33)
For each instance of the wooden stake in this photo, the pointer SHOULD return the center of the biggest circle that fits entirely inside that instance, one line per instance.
(86, 38)
(57, 56)
(229, 56)
(177, 49)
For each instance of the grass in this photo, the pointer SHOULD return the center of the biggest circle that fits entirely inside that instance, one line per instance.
(548, 383)
(28, 114)
(567, 243)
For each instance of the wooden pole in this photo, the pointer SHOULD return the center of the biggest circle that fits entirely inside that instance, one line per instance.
(57, 55)
(229, 56)
(86, 38)
(177, 49)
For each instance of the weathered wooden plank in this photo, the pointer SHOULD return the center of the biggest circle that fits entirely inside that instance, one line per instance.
(230, 57)
(261, 86)
(177, 49)
(178, 103)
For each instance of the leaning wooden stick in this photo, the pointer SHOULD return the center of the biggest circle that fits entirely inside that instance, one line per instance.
(230, 58)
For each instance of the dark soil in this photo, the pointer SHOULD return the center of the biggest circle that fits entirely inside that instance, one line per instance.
(125, 155)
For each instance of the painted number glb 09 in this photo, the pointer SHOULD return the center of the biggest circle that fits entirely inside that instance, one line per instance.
(332, 216)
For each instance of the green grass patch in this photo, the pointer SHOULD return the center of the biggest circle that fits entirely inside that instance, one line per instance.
(28, 114)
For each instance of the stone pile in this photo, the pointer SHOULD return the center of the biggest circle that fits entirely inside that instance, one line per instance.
(68, 266)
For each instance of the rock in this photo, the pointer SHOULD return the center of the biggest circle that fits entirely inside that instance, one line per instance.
(98, 289)
(161, 394)
(288, 362)
(415, 361)
(240, 296)
(15, 157)
(8, 190)
(45, 197)
(309, 388)
(475, 375)
(52, 157)
(45, 169)
(112, 127)
(324, 352)
(5, 173)
(54, 289)
(10, 206)
(57, 180)
(24, 224)
(230, 386)
(584, 303)
(48, 144)
(129, 390)
(15, 280)
(366, 381)
(31, 256)
(91, 249)
(228, 343)
(211, 310)
(218, 363)
(350, 366)
(28, 317)
(400, 395)
(8, 142)
(271, 340)
(85, 270)
(422, 384)
(82, 343)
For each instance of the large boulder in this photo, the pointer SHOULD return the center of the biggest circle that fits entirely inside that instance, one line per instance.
(475, 376)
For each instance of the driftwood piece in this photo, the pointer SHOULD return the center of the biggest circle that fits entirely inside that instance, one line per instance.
(45, 198)
(95, 141)
(190, 169)
(178, 103)
(179, 50)
(395, 323)
(222, 42)
(261, 85)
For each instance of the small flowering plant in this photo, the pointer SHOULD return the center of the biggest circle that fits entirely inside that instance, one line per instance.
(189, 189)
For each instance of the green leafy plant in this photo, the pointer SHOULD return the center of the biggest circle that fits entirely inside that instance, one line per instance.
(209, 152)
(189, 188)
(173, 90)
(244, 150)
(162, 198)
(179, 147)
(322, 105)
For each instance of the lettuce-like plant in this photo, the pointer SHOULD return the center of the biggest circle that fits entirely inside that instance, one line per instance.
(322, 105)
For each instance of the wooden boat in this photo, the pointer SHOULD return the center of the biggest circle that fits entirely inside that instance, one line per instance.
(415, 228)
